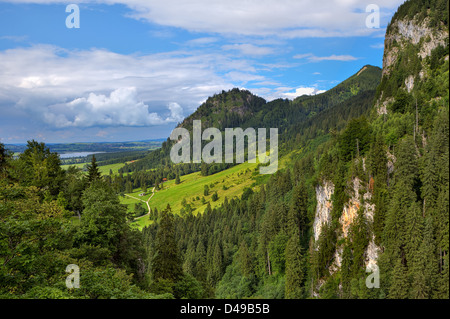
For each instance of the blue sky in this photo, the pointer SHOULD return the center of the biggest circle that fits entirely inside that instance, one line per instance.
(136, 68)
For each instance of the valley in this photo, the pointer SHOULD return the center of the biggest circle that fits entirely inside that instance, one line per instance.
(360, 193)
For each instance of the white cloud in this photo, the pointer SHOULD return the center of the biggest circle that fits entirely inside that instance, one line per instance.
(202, 41)
(302, 91)
(120, 108)
(249, 49)
(312, 58)
(283, 18)
(286, 92)
(176, 112)
(92, 87)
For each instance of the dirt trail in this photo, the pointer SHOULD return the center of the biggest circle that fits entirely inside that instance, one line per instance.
(148, 205)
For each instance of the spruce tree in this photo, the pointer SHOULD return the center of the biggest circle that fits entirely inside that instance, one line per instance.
(299, 208)
(93, 172)
(166, 262)
(424, 270)
(400, 286)
(346, 270)
(4, 156)
(200, 262)
(294, 268)
(245, 259)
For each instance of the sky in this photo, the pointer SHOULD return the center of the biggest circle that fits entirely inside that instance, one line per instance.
(132, 70)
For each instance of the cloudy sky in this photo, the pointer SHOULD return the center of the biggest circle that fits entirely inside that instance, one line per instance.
(134, 69)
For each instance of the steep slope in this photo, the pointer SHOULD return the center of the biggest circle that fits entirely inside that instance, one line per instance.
(361, 208)
(416, 45)
(381, 206)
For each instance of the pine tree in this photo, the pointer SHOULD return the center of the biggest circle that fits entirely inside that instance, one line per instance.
(424, 270)
(294, 268)
(346, 270)
(395, 235)
(216, 271)
(245, 259)
(299, 208)
(359, 235)
(200, 262)
(204, 169)
(414, 232)
(93, 172)
(189, 258)
(177, 179)
(4, 156)
(166, 263)
(399, 287)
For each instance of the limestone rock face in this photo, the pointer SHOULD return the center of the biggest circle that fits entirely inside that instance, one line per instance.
(402, 35)
(351, 208)
(324, 207)
(410, 31)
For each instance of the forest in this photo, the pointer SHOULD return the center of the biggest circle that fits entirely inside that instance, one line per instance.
(381, 174)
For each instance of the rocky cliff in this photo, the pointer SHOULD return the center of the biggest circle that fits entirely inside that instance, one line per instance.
(412, 42)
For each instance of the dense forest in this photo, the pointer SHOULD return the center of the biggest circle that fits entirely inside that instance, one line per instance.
(366, 185)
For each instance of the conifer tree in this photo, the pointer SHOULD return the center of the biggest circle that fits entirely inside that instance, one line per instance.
(424, 270)
(200, 262)
(346, 270)
(93, 172)
(166, 263)
(399, 287)
(245, 259)
(216, 271)
(294, 268)
(299, 208)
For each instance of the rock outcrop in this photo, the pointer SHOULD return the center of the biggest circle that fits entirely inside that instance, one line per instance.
(324, 207)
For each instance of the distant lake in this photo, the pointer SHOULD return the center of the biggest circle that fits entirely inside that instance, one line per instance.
(78, 154)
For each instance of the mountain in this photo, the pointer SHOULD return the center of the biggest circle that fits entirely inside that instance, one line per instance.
(241, 108)
(416, 48)
(361, 209)
(386, 210)
(358, 209)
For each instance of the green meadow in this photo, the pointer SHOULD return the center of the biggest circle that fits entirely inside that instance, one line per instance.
(104, 170)
(228, 183)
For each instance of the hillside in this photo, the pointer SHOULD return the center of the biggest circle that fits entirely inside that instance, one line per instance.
(359, 208)
(365, 190)
(240, 108)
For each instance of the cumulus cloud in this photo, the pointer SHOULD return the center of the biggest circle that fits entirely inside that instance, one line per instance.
(120, 108)
(287, 92)
(77, 88)
(302, 91)
(176, 112)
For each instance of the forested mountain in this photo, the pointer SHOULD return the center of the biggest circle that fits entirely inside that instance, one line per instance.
(240, 108)
(365, 194)
(365, 191)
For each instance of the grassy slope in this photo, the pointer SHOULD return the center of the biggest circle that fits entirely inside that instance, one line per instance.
(192, 185)
(104, 170)
(235, 179)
